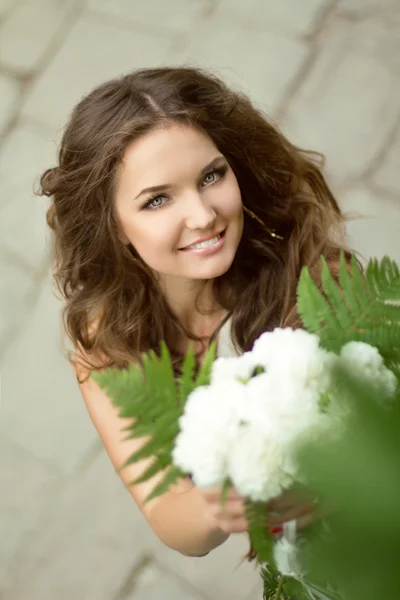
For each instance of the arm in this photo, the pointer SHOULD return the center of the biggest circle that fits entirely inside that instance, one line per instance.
(179, 518)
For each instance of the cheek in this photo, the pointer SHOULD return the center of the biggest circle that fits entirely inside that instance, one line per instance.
(154, 234)
(233, 205)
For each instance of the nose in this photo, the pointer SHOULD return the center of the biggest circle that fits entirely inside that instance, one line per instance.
(200, 215)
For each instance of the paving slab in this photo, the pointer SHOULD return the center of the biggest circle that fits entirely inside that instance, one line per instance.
(82, 535)
(365, 203)
(175, 16)
(17, 286)
(374, 227)
(387, 176)
(287, 15)
(93, 52)
(367, 7)
(42, 408)
(5, 7)
(155, 583)
(28, 489)
(88, 549)
(375, 238)
(257, 592)
(338, 110)
(10, 96)
(220, 574)
(29, 31)
(228, 47)
(23, 228)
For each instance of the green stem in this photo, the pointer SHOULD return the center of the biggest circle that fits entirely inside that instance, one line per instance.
(279, 588)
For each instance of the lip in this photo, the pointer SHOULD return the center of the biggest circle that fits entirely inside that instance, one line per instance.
(210, 237)
(208, 250)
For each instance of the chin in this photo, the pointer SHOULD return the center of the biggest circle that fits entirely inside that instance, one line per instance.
(218, 268)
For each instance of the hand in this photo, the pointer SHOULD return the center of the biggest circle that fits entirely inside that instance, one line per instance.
(292, 505)
(231, 518)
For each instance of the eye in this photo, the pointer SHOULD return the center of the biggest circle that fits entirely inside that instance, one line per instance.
(150, 206)
(215, 174)
(211, 177)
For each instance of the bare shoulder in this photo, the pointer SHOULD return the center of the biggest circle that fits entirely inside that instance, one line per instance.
(109, 425)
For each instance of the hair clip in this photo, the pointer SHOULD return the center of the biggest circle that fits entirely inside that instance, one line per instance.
(261, 222)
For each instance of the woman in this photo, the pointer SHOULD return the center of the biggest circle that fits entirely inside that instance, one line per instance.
(179, 209)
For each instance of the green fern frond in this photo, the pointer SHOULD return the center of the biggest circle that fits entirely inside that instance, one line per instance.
(160, 463)
(186, 383)
(362, 308)
(256, 515)
(162, 438)
(173, 475)
(204, 374)
(271, 578)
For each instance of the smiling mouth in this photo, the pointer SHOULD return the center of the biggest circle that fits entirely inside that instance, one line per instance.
(206, 244)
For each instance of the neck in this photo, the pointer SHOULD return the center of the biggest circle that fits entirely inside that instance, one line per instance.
(194, 304)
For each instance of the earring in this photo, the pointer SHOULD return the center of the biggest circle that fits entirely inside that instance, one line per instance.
(263, 225)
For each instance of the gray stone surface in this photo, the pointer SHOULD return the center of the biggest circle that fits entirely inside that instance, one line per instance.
(213, 46)
(338, 110)
(16, 288)
(28, 488)
(221, 573)
(86, 60)
(29, 31)
(38, 385)
(5, 7)
(375, 222)
(95, 538)
(287, 15)
(155, 583)
(9, 100)
(256, 593)
(368, 7)
(375, 238)
(387, 177)
(365, 203)
(25, 154)
(330, 70)
(177, 16)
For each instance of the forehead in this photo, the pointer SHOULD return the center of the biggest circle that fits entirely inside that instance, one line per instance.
(164, 147)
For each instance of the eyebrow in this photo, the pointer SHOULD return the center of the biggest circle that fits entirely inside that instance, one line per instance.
(159, 188)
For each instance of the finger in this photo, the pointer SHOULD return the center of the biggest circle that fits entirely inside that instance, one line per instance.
(294, 513)
(237, 526)
(215, 493)
(306, 520)
(231, 510)
(289, 499)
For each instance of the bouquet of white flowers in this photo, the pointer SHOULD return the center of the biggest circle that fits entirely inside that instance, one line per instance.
(241, 421)
(244, 425)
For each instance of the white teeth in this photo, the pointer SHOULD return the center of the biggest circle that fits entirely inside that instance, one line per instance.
(205, 244)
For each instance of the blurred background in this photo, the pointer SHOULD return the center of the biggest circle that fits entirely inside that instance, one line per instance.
(328, 72)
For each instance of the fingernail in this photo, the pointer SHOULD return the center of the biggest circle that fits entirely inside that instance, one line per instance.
(276, 530)
(307, 509)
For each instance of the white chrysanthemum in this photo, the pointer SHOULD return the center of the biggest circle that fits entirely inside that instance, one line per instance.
(207, 428)
(286, 558)
(237, 368)
(259, 467)
(364, 360)
(281, 409)
(295, 356)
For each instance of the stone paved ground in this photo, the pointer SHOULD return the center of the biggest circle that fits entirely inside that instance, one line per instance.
(329, 72)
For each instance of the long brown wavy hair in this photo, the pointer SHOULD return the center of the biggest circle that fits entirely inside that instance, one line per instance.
(105, 282)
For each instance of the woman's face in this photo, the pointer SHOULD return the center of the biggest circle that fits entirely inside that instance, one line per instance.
(197, 197)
